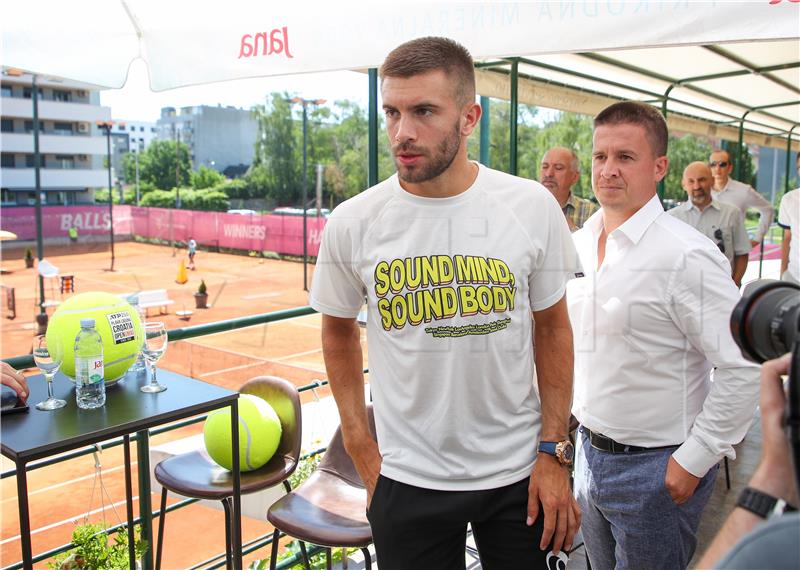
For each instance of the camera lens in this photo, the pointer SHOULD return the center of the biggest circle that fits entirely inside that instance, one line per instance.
(765, 322)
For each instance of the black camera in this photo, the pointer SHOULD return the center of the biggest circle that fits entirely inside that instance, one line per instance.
(765, 324)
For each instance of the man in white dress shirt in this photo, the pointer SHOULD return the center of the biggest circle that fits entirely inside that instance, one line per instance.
(730, 191)
(721, 223)
(650, 321)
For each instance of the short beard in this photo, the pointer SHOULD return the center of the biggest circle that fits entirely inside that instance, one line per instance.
(447, 151)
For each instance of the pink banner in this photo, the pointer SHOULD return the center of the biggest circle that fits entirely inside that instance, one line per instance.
(281, 234)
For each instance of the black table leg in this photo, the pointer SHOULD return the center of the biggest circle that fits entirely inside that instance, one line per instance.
(129, 502)
(145, 503)
(24, 516)
(237, 488)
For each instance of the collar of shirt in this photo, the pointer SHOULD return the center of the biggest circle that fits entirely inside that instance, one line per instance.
(688, 206)
(634, 227)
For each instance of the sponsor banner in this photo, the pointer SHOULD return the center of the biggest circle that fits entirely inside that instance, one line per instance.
(281, 234)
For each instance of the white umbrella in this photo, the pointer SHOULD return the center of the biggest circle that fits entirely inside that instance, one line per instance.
(189, 42)
(5, 235)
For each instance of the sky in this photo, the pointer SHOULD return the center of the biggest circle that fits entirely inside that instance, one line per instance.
(136, 102)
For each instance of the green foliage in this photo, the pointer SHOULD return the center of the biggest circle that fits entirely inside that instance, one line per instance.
(237, 189)
(202, 289)
(211, 200)
(157, 164)
(277, 149)
(28, 253)
(95, 550)
(206, 177)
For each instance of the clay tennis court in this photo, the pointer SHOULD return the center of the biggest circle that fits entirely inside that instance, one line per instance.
(237, 286)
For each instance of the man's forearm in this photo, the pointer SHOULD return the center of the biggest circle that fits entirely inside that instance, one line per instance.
(554, 368)
(341, 348)
(787, 239)
(739, 267)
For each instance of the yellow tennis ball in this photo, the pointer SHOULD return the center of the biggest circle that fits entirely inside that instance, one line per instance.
(259, 434)
(115, 319)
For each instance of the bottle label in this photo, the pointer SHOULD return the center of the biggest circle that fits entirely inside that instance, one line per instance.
(89, 370)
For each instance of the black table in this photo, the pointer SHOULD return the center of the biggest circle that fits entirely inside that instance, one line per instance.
(37, 434)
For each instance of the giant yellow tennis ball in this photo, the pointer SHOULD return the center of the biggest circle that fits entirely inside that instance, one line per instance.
(115, 319)
(259, 434)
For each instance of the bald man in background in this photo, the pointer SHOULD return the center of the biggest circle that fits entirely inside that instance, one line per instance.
(721, 223)
(559, 172)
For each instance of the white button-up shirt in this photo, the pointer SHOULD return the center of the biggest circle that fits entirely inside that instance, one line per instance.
(789, 218)
(721, 223)
(745, 197)
(649, 325)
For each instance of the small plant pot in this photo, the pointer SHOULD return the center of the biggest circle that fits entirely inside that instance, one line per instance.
(28, 262)
(201, 300)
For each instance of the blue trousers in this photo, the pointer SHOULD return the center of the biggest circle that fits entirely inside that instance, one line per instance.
(629, 519)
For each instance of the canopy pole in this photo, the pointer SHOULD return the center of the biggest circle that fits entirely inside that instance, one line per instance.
(372, 129)
(485, 126)
(737, 169)
(512, 117)
(789, 158)
(37, 159)
(661, 187)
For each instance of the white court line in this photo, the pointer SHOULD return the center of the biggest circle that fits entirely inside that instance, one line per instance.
(233, 368)
(68, 520)
(261, 296)
(106, 471)
(297, 354)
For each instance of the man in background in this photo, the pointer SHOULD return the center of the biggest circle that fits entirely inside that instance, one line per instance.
(559, 172)
(730, 191)
(721, 223)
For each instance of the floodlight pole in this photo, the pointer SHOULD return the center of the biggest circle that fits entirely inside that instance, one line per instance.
(304, 199)
(106, 127)
(37, 159)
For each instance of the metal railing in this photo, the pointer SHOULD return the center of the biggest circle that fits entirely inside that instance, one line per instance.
(26, 361)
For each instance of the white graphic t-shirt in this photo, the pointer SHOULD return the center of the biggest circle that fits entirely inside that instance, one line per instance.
(450, 284)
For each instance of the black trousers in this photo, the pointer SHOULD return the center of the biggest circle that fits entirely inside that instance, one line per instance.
(420, 529)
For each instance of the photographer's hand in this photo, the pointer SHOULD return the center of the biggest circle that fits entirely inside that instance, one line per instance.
(774, 474)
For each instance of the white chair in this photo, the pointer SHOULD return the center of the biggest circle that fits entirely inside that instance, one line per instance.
(50, 274)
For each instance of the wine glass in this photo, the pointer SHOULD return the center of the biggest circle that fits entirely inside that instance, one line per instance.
(48, 358)
(155, 344)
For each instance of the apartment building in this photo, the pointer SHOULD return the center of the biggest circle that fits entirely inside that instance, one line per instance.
(71, 146)
(129, 136)
(218, 137)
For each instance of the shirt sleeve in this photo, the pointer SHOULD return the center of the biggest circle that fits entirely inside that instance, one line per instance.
(337, 290)
(788, 208)
(557, 261)
(703, 297)
(741, 241)
(765, 210)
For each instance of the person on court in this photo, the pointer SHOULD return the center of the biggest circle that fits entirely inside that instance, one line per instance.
(454, 260)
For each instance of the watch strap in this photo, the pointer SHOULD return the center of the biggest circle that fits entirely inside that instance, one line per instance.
(762, 504)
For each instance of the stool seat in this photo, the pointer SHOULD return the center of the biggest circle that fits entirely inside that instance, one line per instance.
(195, 475)
(325, 510)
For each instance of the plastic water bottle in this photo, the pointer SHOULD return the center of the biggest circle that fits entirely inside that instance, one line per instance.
(90, 387)
(139, 365)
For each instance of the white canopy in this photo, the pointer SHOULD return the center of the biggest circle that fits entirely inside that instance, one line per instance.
(193, 42)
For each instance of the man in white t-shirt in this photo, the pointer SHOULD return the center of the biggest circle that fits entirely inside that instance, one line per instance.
(454, 259)
(730, 191)
(789, 220)
(651, 321)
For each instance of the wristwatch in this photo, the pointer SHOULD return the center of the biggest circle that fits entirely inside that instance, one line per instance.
(762, 504)
(561, 450)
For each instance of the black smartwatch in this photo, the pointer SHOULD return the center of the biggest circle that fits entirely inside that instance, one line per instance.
(762, 504)
(561, 450)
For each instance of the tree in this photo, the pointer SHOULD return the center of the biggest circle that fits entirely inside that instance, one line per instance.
(206, 177)
(157, 164)
(276, 149)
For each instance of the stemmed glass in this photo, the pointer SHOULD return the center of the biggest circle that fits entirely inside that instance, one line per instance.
(48, 358)
(155, 344)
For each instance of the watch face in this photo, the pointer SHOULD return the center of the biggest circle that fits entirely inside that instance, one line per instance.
(567, 452)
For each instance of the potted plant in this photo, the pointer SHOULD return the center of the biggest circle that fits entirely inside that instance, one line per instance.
(28, 258)
(201, 297)
(96, 549)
